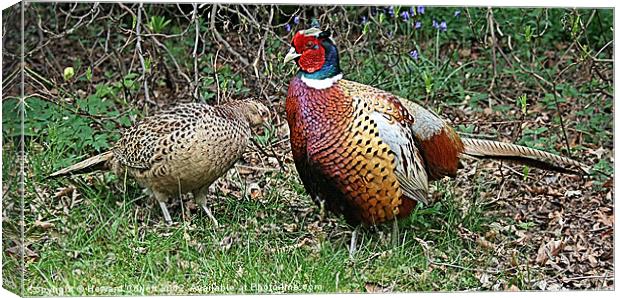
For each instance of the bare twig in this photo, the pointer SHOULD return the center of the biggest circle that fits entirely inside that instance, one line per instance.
(93, 12)
(222, 41)
(174, 60)
(491, 28)
(555, 98)
(139, 49)
(250, 18)
(576, 41)
(262, 151)
(194, 54)
(261, 54)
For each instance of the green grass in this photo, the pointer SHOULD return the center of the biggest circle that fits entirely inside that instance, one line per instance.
(109, 240)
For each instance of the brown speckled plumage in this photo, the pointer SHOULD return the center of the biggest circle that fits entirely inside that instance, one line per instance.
(182, 149)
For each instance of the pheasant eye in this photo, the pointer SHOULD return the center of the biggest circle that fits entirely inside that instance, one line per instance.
(310, 45)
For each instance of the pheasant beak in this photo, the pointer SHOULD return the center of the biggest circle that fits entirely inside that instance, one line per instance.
(266, 117)
(291, 55)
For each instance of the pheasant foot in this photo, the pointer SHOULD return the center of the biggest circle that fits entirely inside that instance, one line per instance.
(164, 210)
(201, 199)
(209, 214)
(162, 199)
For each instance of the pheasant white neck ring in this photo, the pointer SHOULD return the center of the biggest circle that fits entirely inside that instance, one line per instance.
(321, 83)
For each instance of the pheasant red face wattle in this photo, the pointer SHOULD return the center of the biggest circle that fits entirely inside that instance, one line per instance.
(310, 52)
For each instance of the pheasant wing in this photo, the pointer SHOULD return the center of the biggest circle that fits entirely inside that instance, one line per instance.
(409, 170)
(160, 136)
(393, 123)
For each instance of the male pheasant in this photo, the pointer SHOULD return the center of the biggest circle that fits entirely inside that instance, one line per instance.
(368, 154)
(180, 150)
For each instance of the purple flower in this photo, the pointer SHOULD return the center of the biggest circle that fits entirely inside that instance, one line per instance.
(373, 10)
(443, 26)
(390, 11)
(405, 15)
(363, 20)
(414, 54)
(418, 25)
(457, 13)
(287, 27)
(421, 9)
(296, 20)
(435, 24)
(412, 10)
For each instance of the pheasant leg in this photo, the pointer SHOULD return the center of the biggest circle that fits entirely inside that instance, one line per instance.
(322, 210)
(164, 210)
(210, 215)
(353, 244)
(161, 199)
(201, 199)
(395, 233)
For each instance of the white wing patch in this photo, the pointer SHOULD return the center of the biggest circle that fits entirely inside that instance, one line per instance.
(410, 170)
(427, 123)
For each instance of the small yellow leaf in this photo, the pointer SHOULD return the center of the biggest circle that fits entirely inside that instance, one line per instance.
(69, 73)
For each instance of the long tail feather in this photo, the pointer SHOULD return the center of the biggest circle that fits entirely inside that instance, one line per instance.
(520, 154)
(94, 163)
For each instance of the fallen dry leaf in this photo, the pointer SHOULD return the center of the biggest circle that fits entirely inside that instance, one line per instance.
(513, 288)
(514, 258)
(63, 192)
(598, 152)
(485, 279)
(43, 224)
(254, 191)
(16, 250)
(227, 242)
(373, 287)
(290, 227)
(306, 242)
(603, 218)
(244, 171)
(592, 260)
(485, 243)
(550, 249)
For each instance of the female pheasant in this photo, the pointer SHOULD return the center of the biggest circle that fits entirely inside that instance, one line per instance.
(366, 153)
(183, 149)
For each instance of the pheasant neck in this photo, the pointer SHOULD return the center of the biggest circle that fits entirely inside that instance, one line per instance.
(329, 74)
(232, 110)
